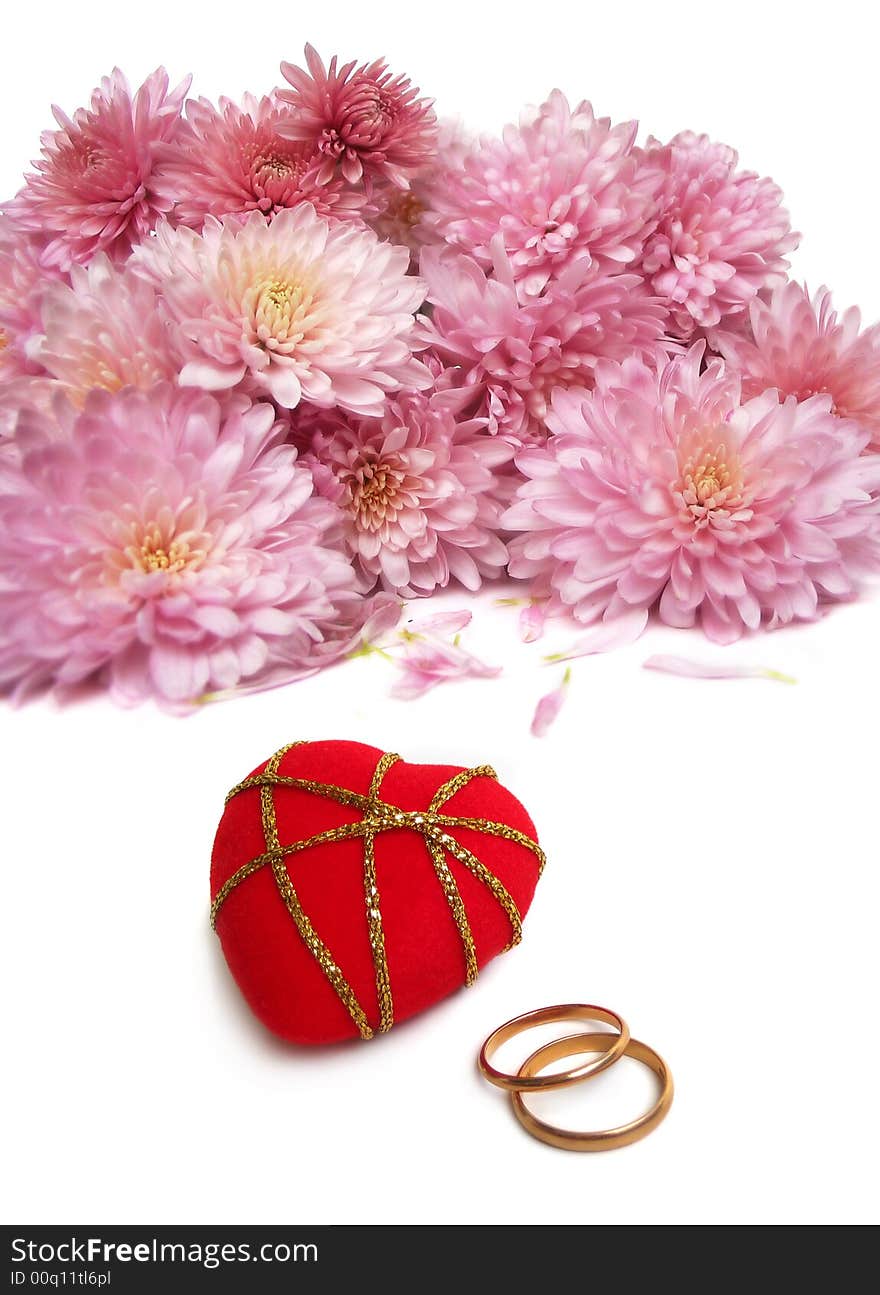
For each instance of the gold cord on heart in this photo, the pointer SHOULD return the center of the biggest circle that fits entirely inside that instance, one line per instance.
(378, 815)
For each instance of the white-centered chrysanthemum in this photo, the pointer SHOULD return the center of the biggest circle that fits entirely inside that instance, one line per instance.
(299, 309)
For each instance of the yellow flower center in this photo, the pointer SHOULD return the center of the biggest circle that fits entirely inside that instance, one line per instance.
(110, 371)
(281, 294)
(706, 481)
(710, 480)
(407, 208)
(373, 492)
(159, 552)
(283, 309)
(4, 340)
(277, 163)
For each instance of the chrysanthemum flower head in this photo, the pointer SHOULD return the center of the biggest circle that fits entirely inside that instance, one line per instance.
(301, 308)
(23, 281)
(104, 330)
(164, 545)
(92, 188)
(722, 235)
(803, 348)
(516, 353)
(364, 122)
(232, 160)
(406, 216)
(561, 186)
(661, 489)
(417, 490)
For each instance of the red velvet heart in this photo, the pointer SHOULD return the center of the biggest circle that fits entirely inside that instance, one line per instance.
(303, 937)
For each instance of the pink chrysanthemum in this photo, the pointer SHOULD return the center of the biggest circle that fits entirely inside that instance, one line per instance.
(400, 218)
(302, 308)
(23, 281)
(517, 353)
(232, 160)
(104, 330)
(562, 186)
(164, 546)
(418, 493)
(722, 235)
(93, 189)
(406, 215)
(661, 489)
(365, 123)
(802, 348)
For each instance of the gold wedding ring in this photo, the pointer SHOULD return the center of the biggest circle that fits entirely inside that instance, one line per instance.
(603, 1139)
(531, 1082)
(610, 1047)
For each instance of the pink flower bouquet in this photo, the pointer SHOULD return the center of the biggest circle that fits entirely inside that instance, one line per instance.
(268, 367)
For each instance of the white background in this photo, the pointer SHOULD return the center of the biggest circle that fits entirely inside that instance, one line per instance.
(713, 858)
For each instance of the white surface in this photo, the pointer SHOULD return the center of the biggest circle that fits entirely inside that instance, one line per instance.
(713, 859)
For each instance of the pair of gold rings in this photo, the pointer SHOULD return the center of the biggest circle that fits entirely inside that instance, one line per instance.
(531, 1079)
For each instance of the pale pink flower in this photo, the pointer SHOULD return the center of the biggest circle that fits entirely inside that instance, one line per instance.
(661, 489)
(722, 235)
(803, 348)
(400, 217)
(406, 215)
(563, 185)
(23, 281)
(92, 189)
(160, 544)
(689, 669)
(418, 493)
(364, 122)
(104, 330)
(302, 308)
(515, 354)
(232, 160)
(548, 708)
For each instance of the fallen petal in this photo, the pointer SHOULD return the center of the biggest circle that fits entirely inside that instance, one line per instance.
(413, 684)
(440, 623)
(605, 637)
(708, 670)
(549, 707)
(374, 633)
(531, 621)
(427, 662)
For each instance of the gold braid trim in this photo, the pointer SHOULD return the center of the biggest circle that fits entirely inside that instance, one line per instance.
(374, 912)
(378, 816)
(311, 939)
